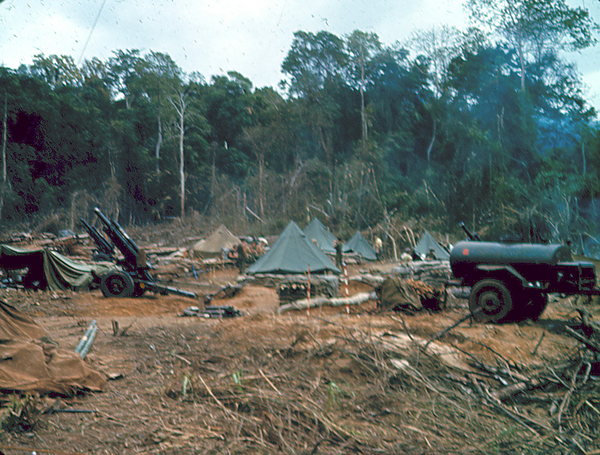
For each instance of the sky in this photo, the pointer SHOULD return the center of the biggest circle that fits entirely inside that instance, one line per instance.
(213, 37)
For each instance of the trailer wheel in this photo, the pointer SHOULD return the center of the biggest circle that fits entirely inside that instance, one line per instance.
(117, 284)
(490, 300)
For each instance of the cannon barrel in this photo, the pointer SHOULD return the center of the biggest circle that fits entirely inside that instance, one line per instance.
(122, 241)
(473, 236)
(104, 246)
(135, 278)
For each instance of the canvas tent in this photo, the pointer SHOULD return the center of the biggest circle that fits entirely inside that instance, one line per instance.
(48, 269)
(428, 243)
(359, 245)
(214, 244)
(293, 252)
(315, 230)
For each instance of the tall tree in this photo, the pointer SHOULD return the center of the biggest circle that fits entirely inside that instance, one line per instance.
(313, 61)
(180, 102)
(362, 48)
(535, 28)
(316, 67)
(56, 70)
(436, 48)
(124, 74)
(158, 75)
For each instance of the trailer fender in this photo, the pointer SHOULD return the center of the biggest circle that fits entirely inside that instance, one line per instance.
(506, 273)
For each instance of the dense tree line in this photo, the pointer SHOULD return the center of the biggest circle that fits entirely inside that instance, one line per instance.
(489, 126)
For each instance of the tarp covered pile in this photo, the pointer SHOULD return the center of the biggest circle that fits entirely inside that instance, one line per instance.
(48, 269)
(30, 362)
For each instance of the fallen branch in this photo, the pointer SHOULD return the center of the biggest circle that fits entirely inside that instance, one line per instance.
(588, 343)
(538, 344)
(521, 419)
(221, 405)
(321, 301)
(443, 332)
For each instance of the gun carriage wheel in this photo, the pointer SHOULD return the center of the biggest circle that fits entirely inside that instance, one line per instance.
(117, 284)
(490, 300)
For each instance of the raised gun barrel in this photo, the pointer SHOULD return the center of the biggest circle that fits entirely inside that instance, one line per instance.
(135, 278)
(472, 235)
(134, 258)
(104, 246)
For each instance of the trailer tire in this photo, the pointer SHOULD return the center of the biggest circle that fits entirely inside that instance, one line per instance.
(117, 284)
(490, 301)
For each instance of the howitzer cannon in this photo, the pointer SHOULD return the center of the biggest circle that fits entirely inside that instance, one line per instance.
(105, 250)
(134, 277)
(512, 281)
(474, 236)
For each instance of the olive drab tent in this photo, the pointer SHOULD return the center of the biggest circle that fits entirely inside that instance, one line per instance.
(359, 246)
(213, 245)
(316, 231)
(48, 269)
(293, 252)
(428, 246)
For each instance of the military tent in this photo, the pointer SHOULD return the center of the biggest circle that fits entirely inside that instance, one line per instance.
(427, 243)
(48, 269)
(316, 231)
(359, 246)
(293, 252)
(213, 246)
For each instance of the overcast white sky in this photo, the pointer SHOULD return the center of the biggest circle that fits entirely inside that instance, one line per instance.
(216, 36)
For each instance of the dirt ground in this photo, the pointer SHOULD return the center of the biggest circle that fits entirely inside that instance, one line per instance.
(328, 380)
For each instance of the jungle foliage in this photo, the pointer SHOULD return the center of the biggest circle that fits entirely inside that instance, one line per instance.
(488, 126)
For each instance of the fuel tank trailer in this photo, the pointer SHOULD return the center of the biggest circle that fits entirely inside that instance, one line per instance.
(511, 281)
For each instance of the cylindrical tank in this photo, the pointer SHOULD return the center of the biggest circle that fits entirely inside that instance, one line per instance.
(465, 256)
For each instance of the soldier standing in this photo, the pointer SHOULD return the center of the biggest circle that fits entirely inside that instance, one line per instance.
(242, 256)
(339, 263)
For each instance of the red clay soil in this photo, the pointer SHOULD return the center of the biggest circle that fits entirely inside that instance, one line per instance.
(304, 382)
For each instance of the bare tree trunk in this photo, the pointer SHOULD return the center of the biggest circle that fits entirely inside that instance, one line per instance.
(244, 217)
(181, 165)
(261, 163)
(4, 140)
(4, 137)
(213, 181)
(158, 144)
(522, 63)
(363, 115)
(430, 148)
(180, 106)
